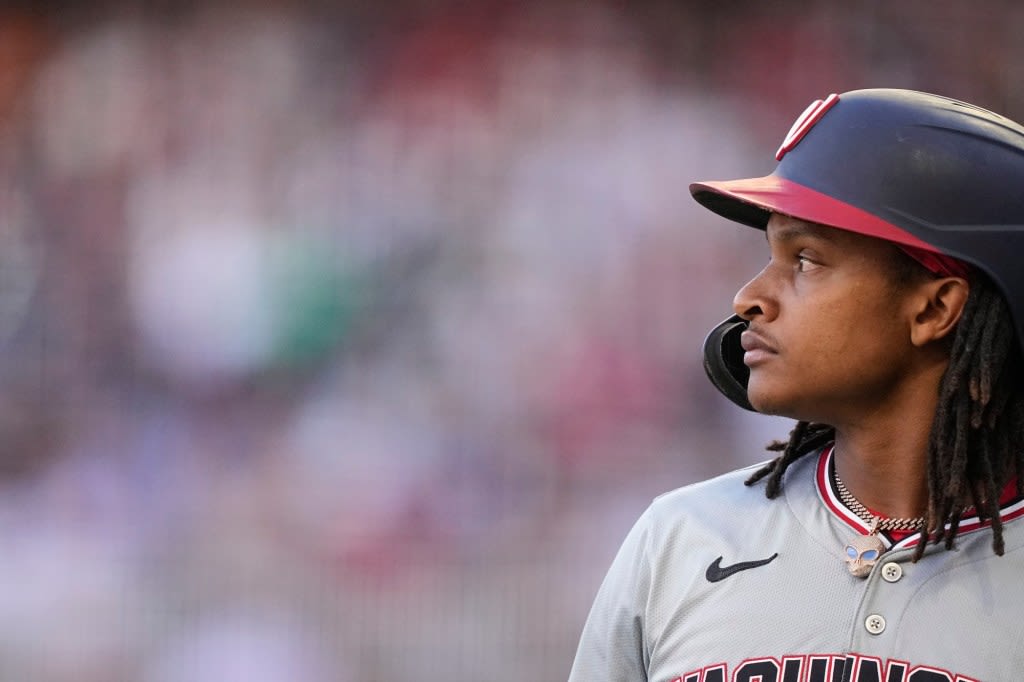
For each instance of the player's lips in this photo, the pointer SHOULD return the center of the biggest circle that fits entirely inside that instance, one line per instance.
(757, 348)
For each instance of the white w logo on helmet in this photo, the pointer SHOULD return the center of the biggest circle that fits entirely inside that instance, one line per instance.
(812, 114)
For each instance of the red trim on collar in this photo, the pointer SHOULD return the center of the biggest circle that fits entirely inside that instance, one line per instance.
(828, 494)
(1011, 507)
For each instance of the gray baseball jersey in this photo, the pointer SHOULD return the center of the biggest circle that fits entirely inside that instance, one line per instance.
(716, 583)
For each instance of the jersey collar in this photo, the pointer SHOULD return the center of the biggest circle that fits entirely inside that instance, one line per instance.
(1012, 507)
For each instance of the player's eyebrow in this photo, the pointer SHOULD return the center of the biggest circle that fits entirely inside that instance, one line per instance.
(793, 231)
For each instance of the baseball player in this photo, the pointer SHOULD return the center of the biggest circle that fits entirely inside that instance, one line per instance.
(884, 542)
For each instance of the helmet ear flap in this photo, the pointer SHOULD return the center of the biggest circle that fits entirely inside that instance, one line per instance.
(723, 361)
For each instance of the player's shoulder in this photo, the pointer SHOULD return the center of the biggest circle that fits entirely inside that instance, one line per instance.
(728, 497)
(727, 488)
(726, 485)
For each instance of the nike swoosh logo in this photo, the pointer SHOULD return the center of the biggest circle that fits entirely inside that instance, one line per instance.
(718, 572)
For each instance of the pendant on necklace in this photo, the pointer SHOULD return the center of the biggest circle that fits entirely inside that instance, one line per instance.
(863, 551)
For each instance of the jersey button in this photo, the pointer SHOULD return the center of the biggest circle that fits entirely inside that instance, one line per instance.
(875, 624)
(892, 572)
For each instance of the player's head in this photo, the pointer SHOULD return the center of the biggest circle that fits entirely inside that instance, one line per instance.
(941, 180)
(938, 177)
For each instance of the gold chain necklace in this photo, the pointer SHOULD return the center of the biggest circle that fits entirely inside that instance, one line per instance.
(877, 523)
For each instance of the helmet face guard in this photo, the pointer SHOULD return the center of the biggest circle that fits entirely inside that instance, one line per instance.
(922, 171)
(723, 361)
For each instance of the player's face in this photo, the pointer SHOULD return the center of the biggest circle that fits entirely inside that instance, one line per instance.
(829, 337)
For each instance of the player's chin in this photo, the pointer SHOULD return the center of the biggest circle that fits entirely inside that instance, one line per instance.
(773, 398)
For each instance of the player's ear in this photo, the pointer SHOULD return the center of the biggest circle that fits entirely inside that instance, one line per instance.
(938, 306)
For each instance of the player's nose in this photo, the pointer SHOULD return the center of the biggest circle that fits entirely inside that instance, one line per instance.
(753, 299)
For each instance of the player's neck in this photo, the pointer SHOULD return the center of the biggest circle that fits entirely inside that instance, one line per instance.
(882, 458)
(882, 450)
(887, 475)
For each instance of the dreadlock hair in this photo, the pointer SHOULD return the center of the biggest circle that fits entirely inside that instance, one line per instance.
(973, 447)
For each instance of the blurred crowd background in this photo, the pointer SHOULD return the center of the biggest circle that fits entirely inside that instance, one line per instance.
(345, 340)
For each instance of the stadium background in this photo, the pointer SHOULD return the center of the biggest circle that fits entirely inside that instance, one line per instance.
(344, 341)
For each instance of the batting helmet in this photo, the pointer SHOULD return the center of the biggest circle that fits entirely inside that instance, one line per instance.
(927, 172)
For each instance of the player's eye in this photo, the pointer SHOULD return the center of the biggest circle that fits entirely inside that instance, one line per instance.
(804, 263)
